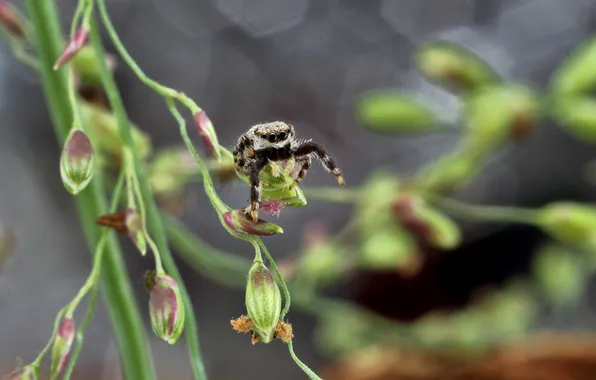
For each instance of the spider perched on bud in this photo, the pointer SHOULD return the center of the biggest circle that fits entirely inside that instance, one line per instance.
(272, 142)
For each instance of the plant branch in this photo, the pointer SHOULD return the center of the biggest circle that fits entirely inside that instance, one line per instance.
(128, 327)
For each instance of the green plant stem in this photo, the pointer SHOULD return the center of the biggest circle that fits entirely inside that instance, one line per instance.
(37, 362)
(129, 332)
(332, 194)
(485, 213)
(153, 216)
(281, 280)
(300, 364)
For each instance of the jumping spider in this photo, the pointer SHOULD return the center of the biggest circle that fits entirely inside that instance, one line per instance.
(271, 142)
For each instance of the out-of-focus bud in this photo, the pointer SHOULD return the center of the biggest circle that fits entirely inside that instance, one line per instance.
(373, 209)
(103, 129)
(450, 172)
(263, 301)
(387, 249)
(570, 223)
(86, 65)
(415, 215)
(576, 75)
(76, 43)
(454, 67)
(77, 161)
(171, 170)
(166, 308)
(26, 373)
(560, 274)
(62, 344)
(127, 222)
(238, 221)
(577, 115)
(498, 113)
(394, 112)
(205, 129)
(10, 20)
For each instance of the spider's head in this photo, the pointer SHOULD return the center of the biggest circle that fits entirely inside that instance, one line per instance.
(275, 134)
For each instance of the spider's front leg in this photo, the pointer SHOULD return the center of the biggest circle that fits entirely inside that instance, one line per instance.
(311, 148)
(306, 163)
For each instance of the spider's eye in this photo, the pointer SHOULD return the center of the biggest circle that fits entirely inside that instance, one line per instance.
(282, 136)
(271, 138)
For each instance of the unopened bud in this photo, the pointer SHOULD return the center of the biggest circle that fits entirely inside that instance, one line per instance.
(76, 43)
(10, 20)
(239, 221)
(570, 223)
(205, 129)
(394, 112)
(577, 115)
(263, 301)
(450, 172)
(171, 170)
(62, 344)
(576, 75)
(77, 161)
(454, 67)
(388, 248)
(127, 222)
(427, 223)
(87, 67)
(166, 308)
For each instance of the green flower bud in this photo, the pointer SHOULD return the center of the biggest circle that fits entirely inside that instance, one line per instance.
(577, 115)
(263, 301)
(103, 129)
(388, 248)
(62, 345)
(560, 274)
(86, 65)
(570, 223)
(394, 112)
(495, 114)
(576, 75)
(450, 172)
(171, 170)
(238, 221)
(373, 207)
(166, 308)
(454, 67)
(77, 161)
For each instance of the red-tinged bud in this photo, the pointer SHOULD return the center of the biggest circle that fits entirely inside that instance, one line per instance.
(77, 161)
(10, 20)
(240, 222)
(205, 129)
(166, 308)
(272, 207)
(127, 222)
(62, 344)
(77, 43)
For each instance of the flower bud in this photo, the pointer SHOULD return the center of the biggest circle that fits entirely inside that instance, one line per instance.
(77, 161)
(416, 216)
(87, 66)
(76, 43)
(62, 344)
(388, 248)
(451, 171)
(454, 67)
(263, 301)
(205, 129)
(171, 170)
(394, 112)
(166, 308)
(240, 222)
(570, 223)
(10, 20)
(576, 75)
(577, 116)
(134, 228)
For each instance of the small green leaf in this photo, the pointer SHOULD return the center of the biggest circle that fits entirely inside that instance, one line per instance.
(394, 112)
(576, 74)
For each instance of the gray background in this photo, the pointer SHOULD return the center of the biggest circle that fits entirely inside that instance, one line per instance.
(303, 61)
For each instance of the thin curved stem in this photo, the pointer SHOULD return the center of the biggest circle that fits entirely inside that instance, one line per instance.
(300, 364)
(281, 279)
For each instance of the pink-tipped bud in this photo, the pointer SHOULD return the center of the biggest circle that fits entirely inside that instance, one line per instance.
(27, 373)
(62, 345)
(166, 308)
(240, 222)
(205, 129)
(134, 228)
(10, 20)
(77, 161)
(272, 207)
(77, 43)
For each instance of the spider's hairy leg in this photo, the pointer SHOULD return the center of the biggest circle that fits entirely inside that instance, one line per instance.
(255, 191)
(311, 148)
(306, 163)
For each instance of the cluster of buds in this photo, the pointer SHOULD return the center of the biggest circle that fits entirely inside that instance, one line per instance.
(127, 222)
(263, 306)
(62, 345)
(166, 307)
(77, 161)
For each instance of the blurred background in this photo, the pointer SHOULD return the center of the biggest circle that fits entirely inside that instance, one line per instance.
(305, 62)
